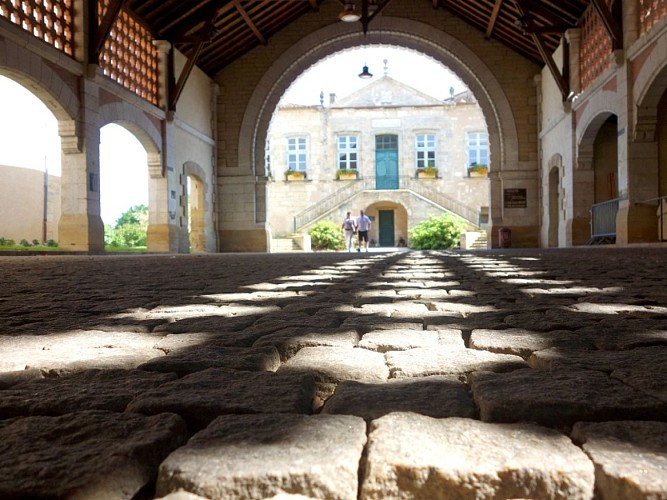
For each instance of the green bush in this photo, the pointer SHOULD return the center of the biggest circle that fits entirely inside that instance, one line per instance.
(437, 233)
(326, 235)
(24, 243)
(52, 243)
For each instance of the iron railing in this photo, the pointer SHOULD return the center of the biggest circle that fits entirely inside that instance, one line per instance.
(603, 219)
(353, 188)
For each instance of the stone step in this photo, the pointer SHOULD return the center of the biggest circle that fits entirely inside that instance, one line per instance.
(279, 245)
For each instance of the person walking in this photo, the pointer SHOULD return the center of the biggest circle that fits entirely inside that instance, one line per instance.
(349, 226)
(363, 227)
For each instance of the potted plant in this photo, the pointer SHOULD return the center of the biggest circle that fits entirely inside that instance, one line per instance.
(346, 174)
(428, 172)
(478, 170)
(295, 175)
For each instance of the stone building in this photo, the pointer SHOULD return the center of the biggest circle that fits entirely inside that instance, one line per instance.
(370, 150)
(572, 96)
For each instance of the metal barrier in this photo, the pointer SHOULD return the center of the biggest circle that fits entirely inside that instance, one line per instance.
(603, 221)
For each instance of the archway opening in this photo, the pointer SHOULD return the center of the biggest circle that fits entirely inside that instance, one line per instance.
(30, 167)
(195, 213)
(124, 200)
(605, 160)
(329, 136)
(554, 206)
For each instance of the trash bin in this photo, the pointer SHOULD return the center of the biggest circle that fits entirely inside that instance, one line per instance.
(505, 237)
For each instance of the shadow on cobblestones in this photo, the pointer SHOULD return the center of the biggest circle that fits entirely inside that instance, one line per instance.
(322, 351)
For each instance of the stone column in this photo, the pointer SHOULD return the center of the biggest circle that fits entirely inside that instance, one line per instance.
(80, 227)
(165, 214)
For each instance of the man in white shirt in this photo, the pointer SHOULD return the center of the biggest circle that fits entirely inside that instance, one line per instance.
(349, 227)
(363, 227)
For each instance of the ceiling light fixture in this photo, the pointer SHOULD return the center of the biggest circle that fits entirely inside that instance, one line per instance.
(365, 74)
(349, 13)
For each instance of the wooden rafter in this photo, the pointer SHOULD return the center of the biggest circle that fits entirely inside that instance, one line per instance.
(493, 19)
(524, 7)
(104, 28)
(366, 18)
(611, 25)
(249, 22)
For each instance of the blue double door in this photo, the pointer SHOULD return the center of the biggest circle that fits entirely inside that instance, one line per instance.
(386, 177)
(386, 161)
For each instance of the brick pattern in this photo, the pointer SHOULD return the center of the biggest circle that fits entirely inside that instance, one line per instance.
(129, 57)
(650, 12)
(48, 20)
(595, 48)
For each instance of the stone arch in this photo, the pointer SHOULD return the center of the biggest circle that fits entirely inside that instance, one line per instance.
(199, 216)
(137, 123)
(503, 139)
(589, 180)
(36, 75)
(140, 126)
(400, 221)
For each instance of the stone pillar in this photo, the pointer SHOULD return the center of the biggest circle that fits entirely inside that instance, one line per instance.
(80, 227)
(573, 38)
(165, 216)
(163, 48)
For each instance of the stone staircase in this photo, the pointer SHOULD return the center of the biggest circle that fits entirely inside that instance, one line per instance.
(282, 245)
(474, 240)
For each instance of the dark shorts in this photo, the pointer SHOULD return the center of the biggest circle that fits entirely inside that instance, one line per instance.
(363, 235)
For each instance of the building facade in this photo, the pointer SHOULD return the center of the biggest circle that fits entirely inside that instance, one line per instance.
(398, 154)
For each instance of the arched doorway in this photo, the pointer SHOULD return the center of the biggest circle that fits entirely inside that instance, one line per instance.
(595, 181)
(123, 186)
(30, 167)
(195, 213)
(554, 189)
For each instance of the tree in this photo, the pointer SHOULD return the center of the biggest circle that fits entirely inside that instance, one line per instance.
(130, 229)
(437, 233)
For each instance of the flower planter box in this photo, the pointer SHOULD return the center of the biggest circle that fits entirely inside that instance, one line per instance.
(421, 174)
(346, 175)
(295, 176)
(478, 173)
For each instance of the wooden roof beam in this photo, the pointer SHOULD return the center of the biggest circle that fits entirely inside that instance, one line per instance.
(102, 31)
(563, 85)
(249, 22)
(493, 19)
(612, 25)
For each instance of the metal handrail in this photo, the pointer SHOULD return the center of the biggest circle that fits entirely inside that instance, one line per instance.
(329, 202)
(660, 202)
(336, 198)
(447, 202)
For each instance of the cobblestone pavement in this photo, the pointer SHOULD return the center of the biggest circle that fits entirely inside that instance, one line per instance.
(500, 374)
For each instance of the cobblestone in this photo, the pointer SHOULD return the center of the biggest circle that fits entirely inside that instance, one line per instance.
(329, 375)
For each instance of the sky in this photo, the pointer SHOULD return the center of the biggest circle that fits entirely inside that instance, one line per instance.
(338, 74)
(123, 168)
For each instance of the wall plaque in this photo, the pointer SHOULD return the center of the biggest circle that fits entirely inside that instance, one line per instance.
(515, 198)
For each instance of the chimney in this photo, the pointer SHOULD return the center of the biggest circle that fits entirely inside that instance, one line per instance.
(332, 98)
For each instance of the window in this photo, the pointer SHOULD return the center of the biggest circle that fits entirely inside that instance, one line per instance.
(425, 150)
(297, 154)
(478, 148)
(347, 152)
